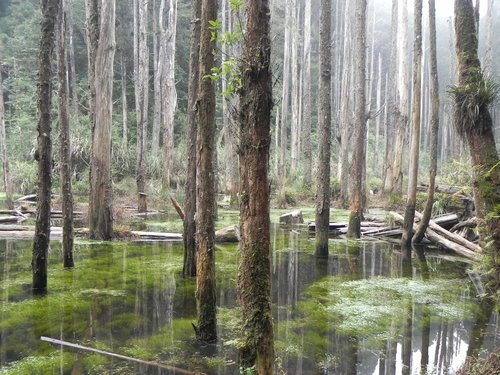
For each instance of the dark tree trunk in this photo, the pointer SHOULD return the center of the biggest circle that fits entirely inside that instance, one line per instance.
(100, 202)
(474, 123)
(205, 189)
(411, 198)
(50, 9)
(434, 97)
(189, 268)
(65, 145)
(359, 155)
(324, 125)
(254, 280)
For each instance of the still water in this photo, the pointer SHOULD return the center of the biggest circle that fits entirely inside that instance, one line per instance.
(364, 310)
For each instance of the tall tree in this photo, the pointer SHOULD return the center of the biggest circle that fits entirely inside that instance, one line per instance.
(141, 77)
(254, 280)
(434, 98)
(50, 9)
(189, 232)
(101, 23)
(123, 71)
(473, 122)
(64, 140)
(7, 183)
(306, 83)
(205, 182)
(168, 27)
(411, 198)
(358, 162)
(324, 128)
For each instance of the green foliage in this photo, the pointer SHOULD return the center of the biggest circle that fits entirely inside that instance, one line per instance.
(24, 176)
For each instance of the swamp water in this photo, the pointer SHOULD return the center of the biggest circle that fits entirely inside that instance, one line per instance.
(363, 310)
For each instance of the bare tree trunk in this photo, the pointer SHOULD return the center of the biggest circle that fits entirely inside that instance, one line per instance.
(474, 124)
(488, 54)
(141, 102)
(189, 232)
(168, 24)
(101, 190)
(306, 83)
(205, 195)
(124, 106)
(65, 143)
(324, 127)
(71, 57)
(434, 98)
(358, 162)
(50, 9)
(411, 198)
(254, 280)
(295, 126)
(158, 64)
(7, 183)
(376, 149)
(392, 102)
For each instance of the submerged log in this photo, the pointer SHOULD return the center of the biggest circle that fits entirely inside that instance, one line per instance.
(291, 218)
(164, 236)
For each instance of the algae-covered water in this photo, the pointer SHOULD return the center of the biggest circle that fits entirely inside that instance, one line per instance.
(363, 310)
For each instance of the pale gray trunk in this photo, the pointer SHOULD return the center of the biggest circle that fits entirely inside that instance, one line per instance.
(71, 57)
(415, 133)
(7, 183)
(168, 25)
(488, 54)
(157, 68)
(295, 126)
(124, 106)
(379, 117)
(306, 76)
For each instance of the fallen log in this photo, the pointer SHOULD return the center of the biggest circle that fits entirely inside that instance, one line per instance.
(178, 208)
(451, 236)
(157, 236)
(9, 219)
(228, 234)
(176, 370)
(471, 223)
(291, 218)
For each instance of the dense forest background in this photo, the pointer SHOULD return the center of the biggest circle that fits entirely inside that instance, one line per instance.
(19, 37)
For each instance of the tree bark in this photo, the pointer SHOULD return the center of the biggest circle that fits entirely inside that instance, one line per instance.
(254, 280)
(306, 69)
(101, 200)
(411, 198)
(65, 142)
(206, 330)
(189, 268)
(50, 9)
(158, 63)
(295, 125)
(7, 183)
(124, 106)
(476, 127)
(324, 127)
(168, 24)
(434, 98)
(358, 162)
(141, 101)
(71, 59)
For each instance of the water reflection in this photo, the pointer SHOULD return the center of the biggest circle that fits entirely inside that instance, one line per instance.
(366, 309)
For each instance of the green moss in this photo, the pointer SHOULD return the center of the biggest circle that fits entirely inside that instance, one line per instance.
(52, 363)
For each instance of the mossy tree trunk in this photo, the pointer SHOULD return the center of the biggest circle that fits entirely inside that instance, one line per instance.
(324, 129)
(50, 9)
(359, 154)
(7, 183)
(205, 182)
(474, 123)
(419, 235)
(189, 233)
(64, 138)
(254, 279)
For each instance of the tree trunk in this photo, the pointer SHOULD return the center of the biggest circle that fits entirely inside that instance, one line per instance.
(474, 124)
(358, 162)
(206, 330)
(488, 54)
(71, 59)
(158, 64)
(124, 106)
(189, 232)
(306, 69)
(324, 125)
(254, 281)
(101, 199)
(411, 198)
(434, 98)
(65, 143)
(7, 183)
(141, 102)
(168, 24)
(50, 9)
(295, 126)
